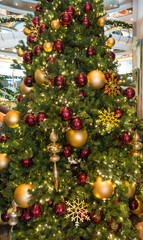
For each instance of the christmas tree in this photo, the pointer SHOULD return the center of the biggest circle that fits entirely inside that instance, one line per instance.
(70, 152)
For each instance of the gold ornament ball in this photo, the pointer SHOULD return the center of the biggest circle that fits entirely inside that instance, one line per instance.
(22, 195)
(48, 47)
(40, 77)
(20, 52)
(4, 161)
(26, 31)
(110, 42)
(139, 209)
(96, 79)
(55, 24)
(12, 119)
(131, 190)
(25, 90)
(76, 138)
(101, 22)
(103, 189)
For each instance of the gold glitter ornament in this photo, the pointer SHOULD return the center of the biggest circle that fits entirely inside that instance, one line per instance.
(112, 87)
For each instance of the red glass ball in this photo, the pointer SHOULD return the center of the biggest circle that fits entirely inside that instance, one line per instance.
(84, 153)
(88, 7)
(86, 21)
(58, 46)
(108, 75)
(26, 163)
(114, 226)
(96, 216)
(50, 203)
(27, 57)
(51, 59)
(42, 28)
(19, 98)
(67, 151)
(133, 204)
(66, 19)
(36, 50)
(119, 112)
(38, 9)
(3, 139)
(71, 10)
(126, 138)
(39, 118)
(25, 215)
(83, 214)
(81, 179)
(36, 210)
(76, 123)
(129, 93)
(29, 120)
(112, 55)
(29, 81)
(30, 39)
(66, 113)
(82, 94)
(59, 81)
(35, 21)
(60, 208)
(4, 217)
(81, 80)
(90, 52)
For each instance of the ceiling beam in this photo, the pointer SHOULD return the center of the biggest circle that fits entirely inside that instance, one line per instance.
(120, 8)
(12, 9)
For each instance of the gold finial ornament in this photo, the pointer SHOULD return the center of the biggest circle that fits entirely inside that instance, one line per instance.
(137, 145)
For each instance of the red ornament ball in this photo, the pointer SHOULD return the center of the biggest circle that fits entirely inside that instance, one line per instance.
(26, 215)
(66, 19)
(114, 226)
(84, 153)
(81, 80)
(82, 94)
(88, 7)
(66, 113)
(96, 216)
(4, 217)
(51, 59)
(58, 46)
(126, 138)
(76, 123)
(26, 163)
(29, 120)
(133, 204)
(119, 113)
(67, 151)
(60, 209)
(36, 50)
(42, 28)
(38, 9)
(112, 55)
(30, 39)
(19, 98)
(29, 81)
(27, 57)
(81, 179)
(59, 81)
(36, 210)
(109, 75)
(71, 10)
(50, 203)
(39, 118)
(86, 21)
(90, 52)
(35, 21)
(129, 93)
(83, 214)
(3, 139)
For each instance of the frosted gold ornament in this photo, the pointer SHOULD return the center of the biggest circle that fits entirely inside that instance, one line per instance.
(103, 189)
(48, 47)
(4, 161)
(25, 90)
(12, 212)
(12, 119)
(76, 138)
(26, 31)
(13, 221)
(20, 52)
(96, 79)
(55, 24)
(110, 42)
(101, 22)
(40, 78)
(131, 190)
(22, 196)
(137, 145)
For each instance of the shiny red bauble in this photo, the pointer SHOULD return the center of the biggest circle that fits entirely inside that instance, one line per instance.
(29, 81)
(96, 216)
(112, 55)
(58, 46)
(81, 179)
(129, 93)
(133, 204)
(66, 19)
(83, 214)
(19, 98)
(42, 28)
(126, 138)
(27, 57)
(71, 10)
(76, 123)
(59, 81)
(38, 9)
(67, 151)
(88, 7)
(66, 113)
(26, 215)
(30, 39)
(4, 217)
(81, 80)
(26, 163)
(50, 203)
(86, 21)
(35, 21)
(51, 59)
(82, 94)
(60, 208)
(119, 113)
(84, 153)
(36, 50)
(36, 210)
(114, 226)
(40, 118)
(90, 52)
(29, 120)
(3, 139)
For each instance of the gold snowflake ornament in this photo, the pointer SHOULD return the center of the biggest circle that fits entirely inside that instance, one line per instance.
(77, 211)
(112, 86)
(34, 31)
(108, 119)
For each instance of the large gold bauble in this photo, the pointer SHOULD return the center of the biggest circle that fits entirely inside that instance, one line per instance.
(77, 138)
(140, 207)
(103, 189)
(4, 161)
(20, 52)
(131, 190)
(25, 90)
(48, 47)
(12, 119)
(40, 77)
(22, 196)
(26, 31)
(101, 22)
(55, 24)
(110, 42)
(96, 79)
